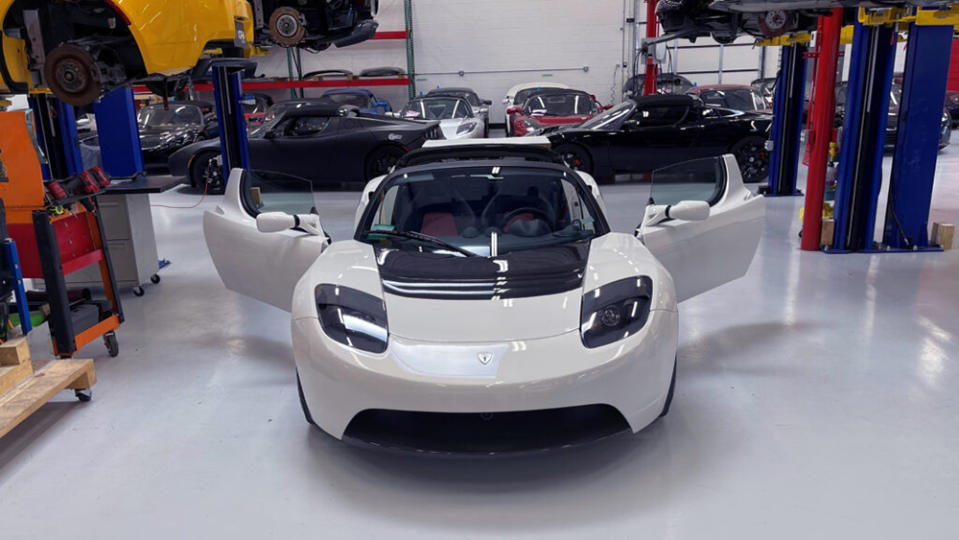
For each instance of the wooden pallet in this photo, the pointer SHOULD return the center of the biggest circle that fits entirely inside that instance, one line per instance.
(22, 391)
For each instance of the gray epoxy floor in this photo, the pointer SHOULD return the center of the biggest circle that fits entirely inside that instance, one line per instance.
(817, 398)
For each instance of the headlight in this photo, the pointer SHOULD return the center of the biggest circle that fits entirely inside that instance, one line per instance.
(615, 311)
(352, 317)
(466, 127)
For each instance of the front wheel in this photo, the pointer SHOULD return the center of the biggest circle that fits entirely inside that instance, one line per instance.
(206, 173)
(576, 157)
(752, 157)
(381, 160)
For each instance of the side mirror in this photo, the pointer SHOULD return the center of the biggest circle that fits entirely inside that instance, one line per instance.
(272, 222)
(606, 107)
(631, 125)
(506, 101)
(688, 211)
(487, 102)
(383, 104)
(514, 110)
(269, 135)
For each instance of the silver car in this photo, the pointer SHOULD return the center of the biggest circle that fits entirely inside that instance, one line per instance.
(480, 106)
(457, 119)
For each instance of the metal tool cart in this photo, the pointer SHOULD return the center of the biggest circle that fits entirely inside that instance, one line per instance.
(128, 230)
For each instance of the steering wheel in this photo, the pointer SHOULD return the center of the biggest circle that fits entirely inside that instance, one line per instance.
(508, 218)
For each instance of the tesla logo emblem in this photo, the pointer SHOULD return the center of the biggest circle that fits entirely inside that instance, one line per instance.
(485, 357)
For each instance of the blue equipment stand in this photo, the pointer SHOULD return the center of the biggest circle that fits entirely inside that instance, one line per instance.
(863, 137)
(228, 91)
(917, 144)
(119, 134)
(56, 126)
(788, 103)
(11, 262)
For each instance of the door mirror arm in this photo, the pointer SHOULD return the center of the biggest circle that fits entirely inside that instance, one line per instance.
(682, 211)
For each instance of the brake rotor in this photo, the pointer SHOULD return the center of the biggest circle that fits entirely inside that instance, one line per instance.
(72, 75)
(776, 23)
(287, 26)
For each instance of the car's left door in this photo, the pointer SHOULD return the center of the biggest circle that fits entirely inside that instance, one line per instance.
(719, 246)
(265, 267)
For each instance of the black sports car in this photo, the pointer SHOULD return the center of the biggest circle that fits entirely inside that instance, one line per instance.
(166, 129)
(324, 143)
(645, 133)
(952, 105)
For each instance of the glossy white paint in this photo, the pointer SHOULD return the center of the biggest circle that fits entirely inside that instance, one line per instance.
(702, 255)
(538, 358)
(259, 265)
(452, 128)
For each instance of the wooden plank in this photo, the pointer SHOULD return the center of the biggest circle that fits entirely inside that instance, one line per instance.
(11, 376)
(15, 352)
(24, 400)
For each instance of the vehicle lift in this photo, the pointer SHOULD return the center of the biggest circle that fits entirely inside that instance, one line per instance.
(864, 130)
(788, 103)
(228, 96)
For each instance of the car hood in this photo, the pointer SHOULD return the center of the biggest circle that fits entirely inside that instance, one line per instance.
(552, 310)
(553, 120)
(451, 125)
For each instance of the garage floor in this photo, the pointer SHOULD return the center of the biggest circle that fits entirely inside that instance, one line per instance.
(817, 398)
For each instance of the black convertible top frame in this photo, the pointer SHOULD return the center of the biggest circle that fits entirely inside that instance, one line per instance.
(423, 156)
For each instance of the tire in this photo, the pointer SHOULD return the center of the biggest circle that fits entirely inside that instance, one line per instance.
(202, 177)
(576, 157)
(381, 160)
(303, 405)
(72, 75)
(669, 395)
(752, 157)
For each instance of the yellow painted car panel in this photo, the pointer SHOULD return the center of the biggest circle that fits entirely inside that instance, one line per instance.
(172, 35)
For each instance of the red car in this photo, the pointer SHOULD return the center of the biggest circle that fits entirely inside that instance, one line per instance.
(553, 107)
(739, 97)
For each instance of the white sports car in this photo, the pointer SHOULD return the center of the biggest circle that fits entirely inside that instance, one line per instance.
(456, 117)
(483, 304)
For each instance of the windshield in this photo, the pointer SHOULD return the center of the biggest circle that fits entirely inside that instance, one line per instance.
(356, 100)
(437, 108)
(561, 104)
(468, 96)
(155, 116)
(473, 208)
(610, 119)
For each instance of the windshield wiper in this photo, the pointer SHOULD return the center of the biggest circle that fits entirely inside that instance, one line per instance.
(422, 238)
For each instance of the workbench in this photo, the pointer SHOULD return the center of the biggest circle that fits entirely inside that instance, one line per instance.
(128, 227)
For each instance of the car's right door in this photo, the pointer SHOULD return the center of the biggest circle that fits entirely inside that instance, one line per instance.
(702, 255)
(299, 146)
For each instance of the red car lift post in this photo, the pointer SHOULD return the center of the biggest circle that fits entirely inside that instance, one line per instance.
(652, 30)
(823, 117)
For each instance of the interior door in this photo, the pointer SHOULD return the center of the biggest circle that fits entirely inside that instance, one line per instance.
(264, 266)
(702, 255)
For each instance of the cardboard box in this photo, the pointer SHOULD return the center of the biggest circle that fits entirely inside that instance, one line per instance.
(942, 234)
(828, 232)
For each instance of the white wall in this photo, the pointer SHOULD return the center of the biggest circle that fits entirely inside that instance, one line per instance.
(499, 43)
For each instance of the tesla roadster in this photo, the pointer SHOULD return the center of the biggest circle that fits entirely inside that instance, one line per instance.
(483, 304)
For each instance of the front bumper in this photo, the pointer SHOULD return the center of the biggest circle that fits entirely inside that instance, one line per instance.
(631, 375)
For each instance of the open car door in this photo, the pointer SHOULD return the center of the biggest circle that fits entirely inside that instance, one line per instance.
(705, 249)
(264, 266)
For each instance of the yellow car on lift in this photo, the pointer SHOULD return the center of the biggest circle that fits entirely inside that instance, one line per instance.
(81, 48)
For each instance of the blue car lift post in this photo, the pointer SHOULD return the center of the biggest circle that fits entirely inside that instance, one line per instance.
(56, 127)
(119, 134)
(788, 103)
(863, 137)
(917, 141)
(228, 93)
(917, 145)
